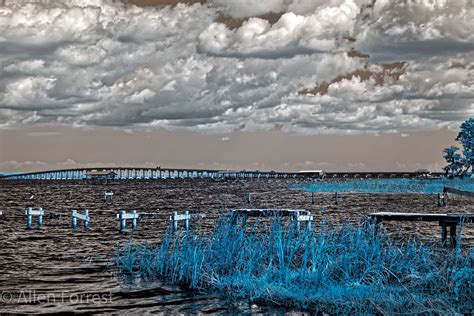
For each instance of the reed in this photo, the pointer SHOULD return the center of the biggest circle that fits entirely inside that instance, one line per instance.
(333, 269)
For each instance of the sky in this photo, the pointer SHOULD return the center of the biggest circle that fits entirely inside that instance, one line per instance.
(269, 85)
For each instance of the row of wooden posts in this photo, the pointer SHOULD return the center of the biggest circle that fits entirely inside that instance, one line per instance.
(175, 218)
(442, 197)
(122, 218)
(298, 217)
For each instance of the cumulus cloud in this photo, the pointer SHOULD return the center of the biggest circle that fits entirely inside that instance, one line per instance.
(416, 29)
(292, 34)
(106, 63)
(246, 8)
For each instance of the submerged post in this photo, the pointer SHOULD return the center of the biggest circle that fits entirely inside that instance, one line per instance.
(444, 232)
(84, 217)
(134, 219)
(452, 234)
(74, 219)
(108, 197)
(40, 217)
(123, 223)
(30, 212)
(175, 218)
(174, 222)
(186, 220)
(302, 216)
(86, 221)
(442, 199)
(296, 219)
(123, 216)
(30, 218)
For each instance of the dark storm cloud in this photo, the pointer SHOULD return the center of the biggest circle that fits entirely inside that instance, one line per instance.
(104, 63)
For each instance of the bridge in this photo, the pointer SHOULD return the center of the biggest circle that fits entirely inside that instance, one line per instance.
(129, 173)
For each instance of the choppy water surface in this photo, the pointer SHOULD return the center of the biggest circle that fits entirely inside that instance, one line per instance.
(54, 269)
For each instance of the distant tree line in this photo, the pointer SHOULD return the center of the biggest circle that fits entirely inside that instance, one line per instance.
(461, 164)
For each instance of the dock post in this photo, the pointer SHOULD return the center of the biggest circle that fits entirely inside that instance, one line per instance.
(444, 232)
(122, 221)
(186, 221)
(244, 222)
(452, 234)
(336, 196)
(74, 219)
(247, 195)
(108, 196)
(312, 197)
(174, 222)
(30, 218)
(442, 199)
(134, 220)
(297, 222)
(86, 221)
(40, 217)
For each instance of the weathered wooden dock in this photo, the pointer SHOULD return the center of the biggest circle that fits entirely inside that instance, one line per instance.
(458, 192)
(448, 219)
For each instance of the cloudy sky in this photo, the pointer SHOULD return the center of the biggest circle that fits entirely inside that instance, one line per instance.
(342, 84)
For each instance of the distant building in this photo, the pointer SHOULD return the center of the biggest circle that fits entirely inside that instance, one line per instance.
(423, 173)
(312, 173)
(100, 175)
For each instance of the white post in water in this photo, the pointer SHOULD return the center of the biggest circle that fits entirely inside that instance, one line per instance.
(186, 217)
(134, 219)
(74, 219)
(298, 218)
(84, 217)
(108, 197)
(123, 216)
(87, 219)
(186, 220)
(174, 222)
(297, 221)
(123, 222)
(442, 199)
(30, 212)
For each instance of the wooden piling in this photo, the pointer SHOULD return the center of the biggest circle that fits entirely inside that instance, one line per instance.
(30, 212)
(134, 220)
(186, 221)
(122, 221)
(174, 222)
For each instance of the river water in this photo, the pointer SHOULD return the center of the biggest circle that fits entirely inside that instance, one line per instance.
(53, 269)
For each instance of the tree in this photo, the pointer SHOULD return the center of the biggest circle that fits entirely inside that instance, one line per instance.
(466, 138)
(461, 164)
(454, 161)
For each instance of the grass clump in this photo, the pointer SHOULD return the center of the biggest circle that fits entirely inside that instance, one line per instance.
(335, 270)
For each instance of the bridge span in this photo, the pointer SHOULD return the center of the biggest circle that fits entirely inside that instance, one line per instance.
(130, 173)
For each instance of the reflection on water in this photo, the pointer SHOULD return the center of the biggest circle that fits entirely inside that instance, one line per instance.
(54, 269)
